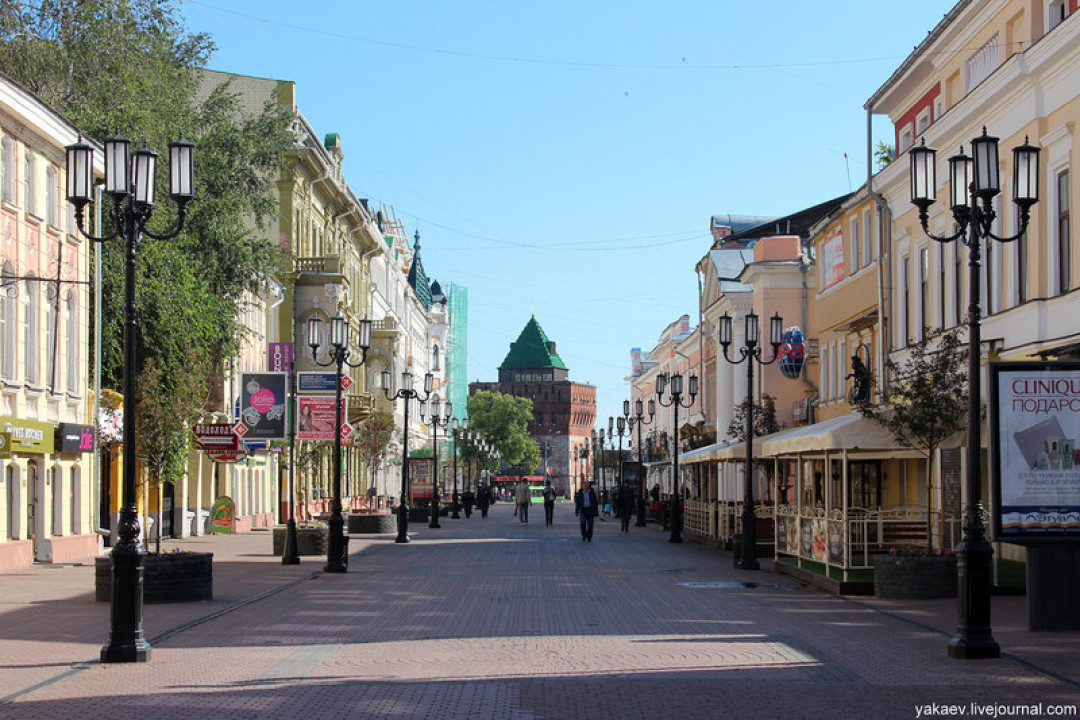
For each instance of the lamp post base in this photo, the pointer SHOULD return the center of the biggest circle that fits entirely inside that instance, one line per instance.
(974, 639)
(402, 524)
(335, 547)
(126, 641)
(290, 555)
(433, 523)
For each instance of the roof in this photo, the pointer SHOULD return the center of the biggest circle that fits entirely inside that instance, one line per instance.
(797, 223)
(532, 350)
(417, 277)
(729, 265)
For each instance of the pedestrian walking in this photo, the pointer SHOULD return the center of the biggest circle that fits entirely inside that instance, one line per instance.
(549, 503)
(605, 500)
(625, 505)
(522, 500)
(483, 500)
(586, 507)
(468, 499)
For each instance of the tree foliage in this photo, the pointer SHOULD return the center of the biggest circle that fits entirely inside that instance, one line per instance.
(131, 66)
(765, 421)
(504, 421)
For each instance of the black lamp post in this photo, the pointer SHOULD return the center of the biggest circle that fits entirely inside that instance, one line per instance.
(974, 183)
(620, 430)
(336, 561)
(407, 393)
(675, 401)
(129, 182)
(637, 420)
(455, 502)
(750, 352)
(436, 421)
(600, 456)
(290, 554)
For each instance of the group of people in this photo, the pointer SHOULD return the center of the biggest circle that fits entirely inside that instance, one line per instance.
(587, 505)
(523, 501)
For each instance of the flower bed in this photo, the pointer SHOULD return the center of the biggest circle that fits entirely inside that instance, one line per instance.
(371, 523)
(912, 576)
(311, 539)
(167, 578)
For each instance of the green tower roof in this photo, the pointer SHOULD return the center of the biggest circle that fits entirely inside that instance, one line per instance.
(418, 279)
(532, 350)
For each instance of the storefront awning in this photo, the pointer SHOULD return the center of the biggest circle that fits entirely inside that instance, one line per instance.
(847, 432)
(718, 451)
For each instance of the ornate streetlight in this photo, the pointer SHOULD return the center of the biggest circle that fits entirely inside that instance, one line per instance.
(637, 420)
(406, 393)
(336, 559)
(751, 354)
(435, 421)
(129, 182)
(675, 401)
(974, 184)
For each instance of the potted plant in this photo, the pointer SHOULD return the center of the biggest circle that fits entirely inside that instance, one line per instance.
(168, 577)
(311, 538)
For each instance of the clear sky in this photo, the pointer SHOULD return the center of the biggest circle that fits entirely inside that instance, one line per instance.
(563, 158)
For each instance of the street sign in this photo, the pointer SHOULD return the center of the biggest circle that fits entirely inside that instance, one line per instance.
(240, 429)
(218, 440)
(346, 430)
(346, 382)
(316, 383)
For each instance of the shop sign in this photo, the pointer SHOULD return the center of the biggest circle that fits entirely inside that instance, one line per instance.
(1035, 450)
(314, 383)
(262, 406)
(218, 441)
(73, 438)
(5, 444)
(222, 516)
(28, 436)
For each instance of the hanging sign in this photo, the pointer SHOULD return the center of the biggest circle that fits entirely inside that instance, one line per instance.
(315, 383)
(218, 440)
(792, 353)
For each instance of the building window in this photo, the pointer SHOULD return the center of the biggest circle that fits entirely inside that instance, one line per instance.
(7, 146)
(31, 338)
(75, 495)
(939, 108)
(8, 316)
(1062, 230)
(982, 63)
(72, 344)
(942, 282)
(906, 138)
(31, 184)
(922, 121)
(52, 196)
(867, 238)
(14, 501)
(853, 230)
(52, 331)
(57, 500)
(1056, 12)
(905, 301)
(924, 292)
(958, 282)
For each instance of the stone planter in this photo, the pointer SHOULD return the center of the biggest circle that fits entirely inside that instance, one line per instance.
(418, 515)
(372, 524)
(309, 540)
(167, 578)
(914, 577)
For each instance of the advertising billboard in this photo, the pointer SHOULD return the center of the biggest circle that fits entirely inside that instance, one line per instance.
(1035, 450)
(262, 405)
(315, 416)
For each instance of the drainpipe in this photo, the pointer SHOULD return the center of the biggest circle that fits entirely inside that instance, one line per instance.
(884, 249)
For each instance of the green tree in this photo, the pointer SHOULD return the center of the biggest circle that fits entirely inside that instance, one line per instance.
(504, 421)
(927, 399)
(131, 65)
(765, 421)
(372, 440)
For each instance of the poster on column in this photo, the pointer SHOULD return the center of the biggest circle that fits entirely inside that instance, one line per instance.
(420, 469)
(315, 416)
(1034, 450)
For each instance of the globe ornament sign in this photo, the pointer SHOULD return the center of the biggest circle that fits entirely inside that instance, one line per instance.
(792, 353)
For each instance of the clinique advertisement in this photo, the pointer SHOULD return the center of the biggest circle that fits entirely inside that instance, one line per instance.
(1034, 432)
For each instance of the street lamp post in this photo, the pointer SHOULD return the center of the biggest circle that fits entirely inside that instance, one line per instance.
(974, 184)
(290, 554)
(620, 429)
(750, 353)
(638, 419)
(675, 401)
(406, 393)
(436, 421)
(600, 457)
(129, 181)
(455, 502)
(336, 558)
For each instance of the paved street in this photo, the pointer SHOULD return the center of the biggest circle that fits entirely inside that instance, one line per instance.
(491, 619)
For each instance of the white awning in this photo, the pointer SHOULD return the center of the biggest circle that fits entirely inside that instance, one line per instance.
(847, 432)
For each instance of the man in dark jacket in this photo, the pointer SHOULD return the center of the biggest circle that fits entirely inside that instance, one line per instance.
(587, 506)
(625, 504)
(483, 500)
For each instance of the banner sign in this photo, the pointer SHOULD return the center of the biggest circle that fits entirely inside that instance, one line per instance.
(5, 444)
(316, 383)
(315, 415)
(832, 260)
(262, 405)
(280, 357)
(28, 436)
(72, 438)
(1034, 450)
(420, 469)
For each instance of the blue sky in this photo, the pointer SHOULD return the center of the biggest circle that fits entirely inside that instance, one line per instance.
(564, 157)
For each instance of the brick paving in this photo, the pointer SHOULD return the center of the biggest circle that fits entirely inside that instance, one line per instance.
(492, 619)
